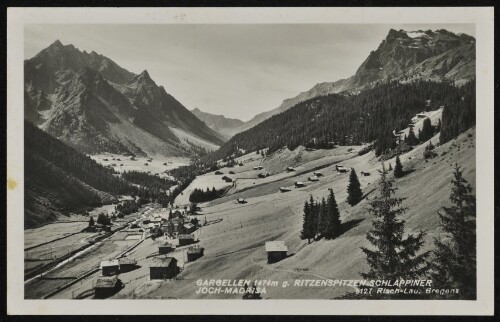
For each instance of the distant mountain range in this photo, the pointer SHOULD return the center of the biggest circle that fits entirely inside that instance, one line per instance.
(223, 125)
(404, 56)
(94, 105)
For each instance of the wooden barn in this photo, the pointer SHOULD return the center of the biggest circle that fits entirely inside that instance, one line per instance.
(106, 286)
(341, 169)
(186, 239)
(127, 264)
(165, 248)
(109, 268)
(276, 251)
(163, 268)
(189, 228)
(299, 184)
(194, 253)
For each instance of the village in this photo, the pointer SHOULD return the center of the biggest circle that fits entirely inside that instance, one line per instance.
(251, 232)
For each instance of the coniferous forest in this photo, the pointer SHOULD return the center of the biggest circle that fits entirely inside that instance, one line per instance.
(348, 119)
(73, 182)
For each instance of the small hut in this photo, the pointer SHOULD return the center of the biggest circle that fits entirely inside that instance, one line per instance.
(165, 248)
(163, 268)
(127, 264)
(106, 286)
(189, 228)
(194, 253)
(276, 251)
(186, 239)
(109, 268)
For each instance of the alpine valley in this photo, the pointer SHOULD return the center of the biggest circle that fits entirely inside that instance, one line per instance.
(325, 187)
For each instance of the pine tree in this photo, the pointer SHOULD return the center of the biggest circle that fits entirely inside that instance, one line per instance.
(455, 258)
(322, 217)
(398, 168)
(427, 131)
(333, 227)
(91, 222)
(392, 256)
(314, 207)
(390, 167)
(306, 224)
(354, 193)
(411, 139)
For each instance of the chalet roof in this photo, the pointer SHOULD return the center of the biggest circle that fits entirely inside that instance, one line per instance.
(127, 261)
(188, 225)
(163, 261)
(195, 250)
(106, 282)
(186, 236)
(276, 246)
(109, 263)
(166, 245)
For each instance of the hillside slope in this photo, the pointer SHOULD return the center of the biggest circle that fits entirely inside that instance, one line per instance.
(348, 119)
(219, 123)
(59, 179)
(235, 245)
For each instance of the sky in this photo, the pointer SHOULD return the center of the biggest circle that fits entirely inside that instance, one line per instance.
(238, 70)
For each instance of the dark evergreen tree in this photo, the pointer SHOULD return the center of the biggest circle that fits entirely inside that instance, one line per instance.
(103, 220)
(322, 217)
(314, 207)
(354, 193)
(392, 256)
(412, 139)
(454, 265)
(459, 115)
(427, 130)
(333, 224)
(306, 232)
(91, 221)
(398, 168)
(390, 167)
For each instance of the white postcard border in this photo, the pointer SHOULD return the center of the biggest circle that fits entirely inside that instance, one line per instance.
(481, 17)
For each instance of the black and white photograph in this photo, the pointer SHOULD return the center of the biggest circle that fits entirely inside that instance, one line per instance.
(251, 160)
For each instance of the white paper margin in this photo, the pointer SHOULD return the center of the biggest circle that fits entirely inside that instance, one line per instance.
(483, 18)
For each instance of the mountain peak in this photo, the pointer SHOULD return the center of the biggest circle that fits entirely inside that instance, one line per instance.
(393, 34)
(57, 43)
(145, 74)
(143, 78)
